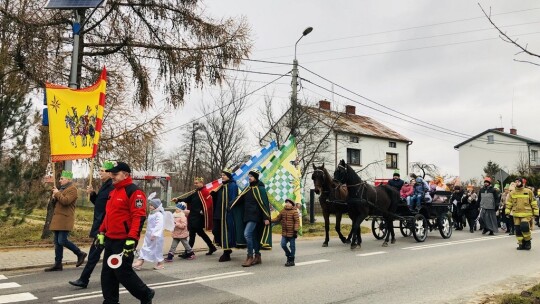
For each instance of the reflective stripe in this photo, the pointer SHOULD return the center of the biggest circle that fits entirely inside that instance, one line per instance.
(520, 196)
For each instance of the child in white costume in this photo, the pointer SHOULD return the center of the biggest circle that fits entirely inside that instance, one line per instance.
(152, 249)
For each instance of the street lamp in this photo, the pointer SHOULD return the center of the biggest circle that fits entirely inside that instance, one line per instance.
(294, 94)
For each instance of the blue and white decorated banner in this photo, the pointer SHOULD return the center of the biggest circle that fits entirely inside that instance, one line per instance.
(240, 175)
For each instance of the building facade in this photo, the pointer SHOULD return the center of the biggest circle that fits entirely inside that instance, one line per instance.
(509, 150)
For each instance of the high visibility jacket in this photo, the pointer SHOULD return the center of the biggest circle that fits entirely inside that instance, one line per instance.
(125, 214)
(522, 202)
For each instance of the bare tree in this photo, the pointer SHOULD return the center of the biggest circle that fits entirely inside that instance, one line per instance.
(523, 167)
(164, 44)
(505, 37)
(429, 170)
(225, 139)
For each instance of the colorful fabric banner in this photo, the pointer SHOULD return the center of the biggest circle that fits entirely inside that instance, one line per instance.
(281, 176)
(240, 175)
(75, 119)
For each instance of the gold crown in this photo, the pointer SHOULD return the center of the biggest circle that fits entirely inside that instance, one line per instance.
(199, 179)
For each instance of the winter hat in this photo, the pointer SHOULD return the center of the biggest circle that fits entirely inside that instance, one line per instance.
(119, 166)
(457, 188)
(396, 173)
(288, 200)
(255, 173)
(497, 186)
(67, 174)
(181, 206)
(520, 179)
(107, 165)
(227, 172)
(487, 179)
(155, 202)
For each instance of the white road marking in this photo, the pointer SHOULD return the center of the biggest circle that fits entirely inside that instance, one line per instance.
(17, 297)
(480, 239)
(371, 253)
(2, 277)
(9, 285)
(311, 262)
(97, 294)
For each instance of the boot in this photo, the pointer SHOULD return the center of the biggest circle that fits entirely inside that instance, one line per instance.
(248, 262)
(257, 259)
(288, 263)
(56, 267)
(226, 256)
(211, 250)
(527, 245)
(169, 257)
(183, 255)
(520, 246)
(80, 258)
(292, 261)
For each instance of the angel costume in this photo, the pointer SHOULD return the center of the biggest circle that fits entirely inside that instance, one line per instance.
(152, 249)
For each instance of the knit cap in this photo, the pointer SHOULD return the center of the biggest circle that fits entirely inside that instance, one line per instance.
(181, 206)
(155, 202)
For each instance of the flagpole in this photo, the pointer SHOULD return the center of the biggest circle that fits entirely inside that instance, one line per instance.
(91, 174)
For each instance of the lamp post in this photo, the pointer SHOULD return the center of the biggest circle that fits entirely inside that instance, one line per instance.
(294, 84)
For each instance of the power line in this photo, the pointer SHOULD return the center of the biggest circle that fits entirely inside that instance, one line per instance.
(441, 130)
(225, 105)
(403, 40)
(381, 105)
(399, 30)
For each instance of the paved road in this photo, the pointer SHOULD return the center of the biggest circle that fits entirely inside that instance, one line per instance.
(456, 270)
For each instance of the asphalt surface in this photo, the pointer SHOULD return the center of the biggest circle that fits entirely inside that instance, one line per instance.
(461, 269)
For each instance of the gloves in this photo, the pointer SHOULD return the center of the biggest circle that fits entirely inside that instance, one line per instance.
(100, 240)
(295, 234)
(129, 246)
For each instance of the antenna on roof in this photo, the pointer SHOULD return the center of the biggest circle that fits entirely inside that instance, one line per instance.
(500, 118)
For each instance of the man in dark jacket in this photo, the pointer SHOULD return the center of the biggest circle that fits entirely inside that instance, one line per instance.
(99, 200)
(224, 229)
(256, 206)
(119, 233)
(396, 181)
(199, 203)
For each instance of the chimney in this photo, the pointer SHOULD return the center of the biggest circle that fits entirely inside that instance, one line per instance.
(499, 129)
(324, 104)
(513, 131)
(350, 110)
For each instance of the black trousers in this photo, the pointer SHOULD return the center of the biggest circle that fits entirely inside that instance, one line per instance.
(93, 259)
(202, 234)
(125, 275)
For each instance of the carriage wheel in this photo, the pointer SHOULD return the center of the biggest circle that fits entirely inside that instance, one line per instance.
(445, 226)
(378, 228)
(404, 228)
(420, 228)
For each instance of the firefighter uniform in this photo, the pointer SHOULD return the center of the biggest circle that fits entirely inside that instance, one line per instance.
(521, 201)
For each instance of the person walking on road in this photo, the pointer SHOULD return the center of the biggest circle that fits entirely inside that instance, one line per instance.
(290, 224)
(99, 200)
(224, 229)
(119, 233)
(199, 203)
(256, 206)
(63, 220)
(521, 201)
(489, 202)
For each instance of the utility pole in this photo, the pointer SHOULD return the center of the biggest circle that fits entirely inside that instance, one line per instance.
(294, 84)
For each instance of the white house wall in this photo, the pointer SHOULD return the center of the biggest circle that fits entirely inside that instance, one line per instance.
(474, 155)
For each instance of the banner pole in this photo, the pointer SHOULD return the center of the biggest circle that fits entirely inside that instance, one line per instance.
(91, 173)
(53, 174)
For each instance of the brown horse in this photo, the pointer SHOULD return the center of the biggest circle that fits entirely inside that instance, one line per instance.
(365, 200)
(332, 199)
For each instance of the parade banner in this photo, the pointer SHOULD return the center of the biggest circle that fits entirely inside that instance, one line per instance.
(75, 119)
(241, 175)
(281, 177)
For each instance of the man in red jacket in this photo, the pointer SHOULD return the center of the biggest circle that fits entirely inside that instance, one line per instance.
(119, 232)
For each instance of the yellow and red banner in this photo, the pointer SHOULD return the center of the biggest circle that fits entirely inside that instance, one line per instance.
(75, 119)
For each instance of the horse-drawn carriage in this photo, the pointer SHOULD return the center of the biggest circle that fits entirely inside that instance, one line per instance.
(381, 203)
(431, 216)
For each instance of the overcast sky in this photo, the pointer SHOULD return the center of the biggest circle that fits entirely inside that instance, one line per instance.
(436, 61)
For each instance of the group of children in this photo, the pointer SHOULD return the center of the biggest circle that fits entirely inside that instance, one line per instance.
(152, 249)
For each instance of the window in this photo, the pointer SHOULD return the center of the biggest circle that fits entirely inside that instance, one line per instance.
(534, 155)
(353, 157)
(391, 161)
(392, 144)
(490, 139)
(354, 139)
